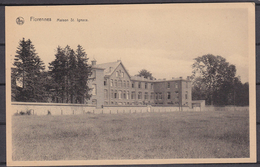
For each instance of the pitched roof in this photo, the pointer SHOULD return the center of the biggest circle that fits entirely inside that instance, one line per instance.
(109, 67)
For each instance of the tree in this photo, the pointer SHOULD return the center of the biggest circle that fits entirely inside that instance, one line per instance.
(70, 73)
(216, 75)
(58, 71)
(145, 74)
(83, 73)
(27, 85)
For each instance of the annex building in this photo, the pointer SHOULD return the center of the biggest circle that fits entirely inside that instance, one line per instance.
(112, 85)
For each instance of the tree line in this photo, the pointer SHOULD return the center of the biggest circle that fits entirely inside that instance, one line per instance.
(214, 80)
(66, 80)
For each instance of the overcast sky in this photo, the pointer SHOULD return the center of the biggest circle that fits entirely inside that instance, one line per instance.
(163, 39)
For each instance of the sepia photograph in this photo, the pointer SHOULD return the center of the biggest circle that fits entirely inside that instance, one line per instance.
(130, 84)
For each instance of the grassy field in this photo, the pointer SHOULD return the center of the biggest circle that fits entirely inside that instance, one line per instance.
(132, 136)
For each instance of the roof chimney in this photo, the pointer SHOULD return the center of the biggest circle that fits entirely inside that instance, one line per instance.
(93, 62)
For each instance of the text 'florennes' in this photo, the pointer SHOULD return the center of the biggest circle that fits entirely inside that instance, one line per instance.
(57, 20)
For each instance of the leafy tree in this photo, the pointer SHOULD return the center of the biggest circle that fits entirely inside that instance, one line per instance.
(217, 77)
(27, 85)
(145, 74)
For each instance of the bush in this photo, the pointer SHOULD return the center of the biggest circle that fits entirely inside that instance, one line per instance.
(27, 112)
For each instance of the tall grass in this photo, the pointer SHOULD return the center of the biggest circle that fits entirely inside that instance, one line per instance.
(132, 136)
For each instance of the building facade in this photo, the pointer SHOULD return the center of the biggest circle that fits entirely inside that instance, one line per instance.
(112, 85)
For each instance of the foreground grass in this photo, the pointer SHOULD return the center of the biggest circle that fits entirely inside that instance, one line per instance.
(132, 136)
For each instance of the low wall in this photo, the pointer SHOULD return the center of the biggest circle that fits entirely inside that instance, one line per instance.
(53, 108)
(70, 109)
(139, 109)
(227, 108)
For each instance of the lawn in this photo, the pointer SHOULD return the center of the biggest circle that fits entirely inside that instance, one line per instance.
(222, 134)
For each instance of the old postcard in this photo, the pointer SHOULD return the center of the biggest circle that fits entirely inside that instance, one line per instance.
(130, 84)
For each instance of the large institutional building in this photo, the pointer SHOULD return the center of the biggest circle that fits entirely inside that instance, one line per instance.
(113, 86)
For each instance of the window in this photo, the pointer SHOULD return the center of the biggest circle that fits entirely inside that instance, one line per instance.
(127, 95)
(177, 94)
(111, 82)
(133, 84)
(124, 95)
(120, 83)
(151, 85)
(186, 95)
(115, 94)
(133, 95)
(115, 83)
(176, 85)
(117, 74)
(139, 95)
(186, 84)
(160, 96)
(124, 84)
(122, 74)
(151, 96)
(93, 74)
(128, 84)
(105, 94)
(112, 94)
(105, 82)
(168, 95)
(146, 95)
(139, 84)
(119, 94)
(145, 85)
(94, 90)
(156, 95)
(168, 85)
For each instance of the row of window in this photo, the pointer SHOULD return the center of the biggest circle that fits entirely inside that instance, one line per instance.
(126, 84)
(175, 84)
(126, 95)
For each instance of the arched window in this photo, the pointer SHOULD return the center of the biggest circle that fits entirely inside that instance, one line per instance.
(94, 90)
(119, 94)
(111, 82)
(139, 95)
(112, 94)
(119, 83)
(133, 95)
(105, 94)
(124, 95)
(115, 94)
(146, 95)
